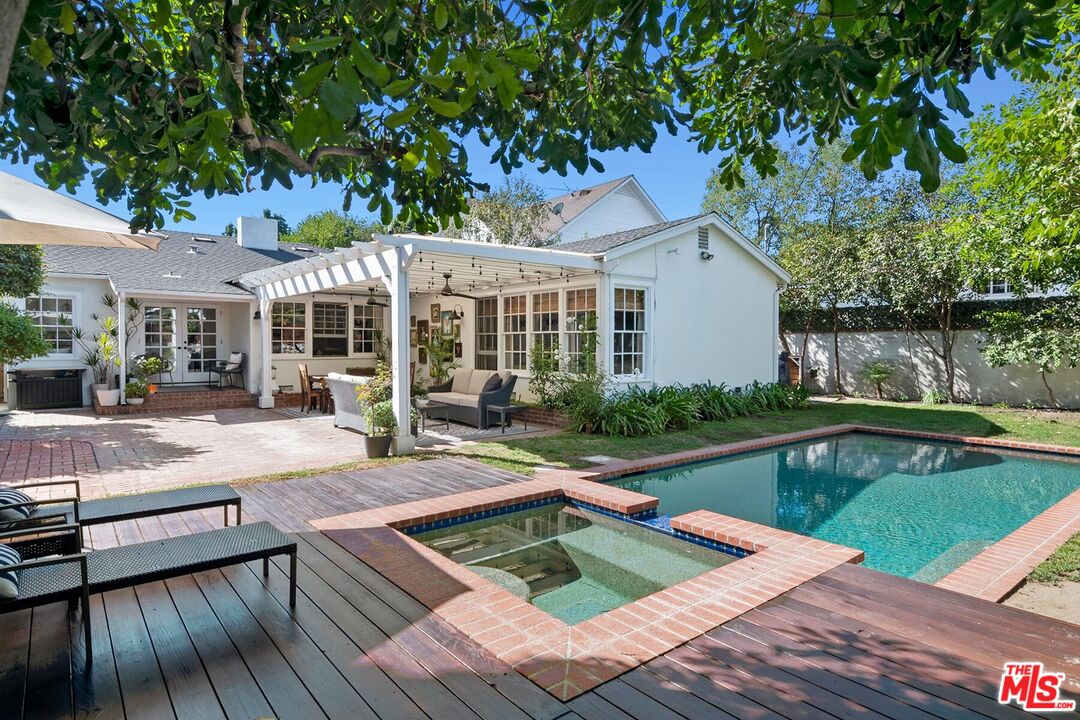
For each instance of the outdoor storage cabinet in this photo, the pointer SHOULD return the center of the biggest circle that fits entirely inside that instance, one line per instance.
(35, 389)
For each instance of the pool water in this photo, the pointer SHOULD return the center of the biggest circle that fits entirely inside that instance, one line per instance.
(572, 563)
(916, 509)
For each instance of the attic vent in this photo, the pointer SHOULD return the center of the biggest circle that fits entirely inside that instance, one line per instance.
(172, 276)
(203, 240)
(192, 250)
(703, 238)
(583, 193)
(302, 249)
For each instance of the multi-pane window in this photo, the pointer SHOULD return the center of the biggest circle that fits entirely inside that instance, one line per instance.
(1000, 287)
(487, 334)
(628, 321)
(515, 332)
(288, 328)
(367, 319)
(52, 315)
(545, 320)
(329, 329)
(580, 329)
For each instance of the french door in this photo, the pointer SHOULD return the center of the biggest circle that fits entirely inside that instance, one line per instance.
(187, 335)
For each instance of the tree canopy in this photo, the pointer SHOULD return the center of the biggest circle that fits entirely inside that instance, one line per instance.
(511, 214)
(331, 228)
(22, 273)
(155, 101)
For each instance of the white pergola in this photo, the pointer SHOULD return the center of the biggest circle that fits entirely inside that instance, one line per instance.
(404, 263)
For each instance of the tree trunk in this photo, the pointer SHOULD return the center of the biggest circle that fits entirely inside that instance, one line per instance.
(802, 357)
(1049, 390)
(948, 338)
(12, 13)
(836, 348)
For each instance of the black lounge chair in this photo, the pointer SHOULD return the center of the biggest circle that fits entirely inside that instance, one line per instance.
(71, 510)
(233, 367)
(76, 576)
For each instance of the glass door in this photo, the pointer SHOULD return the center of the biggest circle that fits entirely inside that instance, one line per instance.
(159, 338)
(200, 343)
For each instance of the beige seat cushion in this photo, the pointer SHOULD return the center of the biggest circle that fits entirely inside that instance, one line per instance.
(461, 379)
(453, 398)
(479, 379)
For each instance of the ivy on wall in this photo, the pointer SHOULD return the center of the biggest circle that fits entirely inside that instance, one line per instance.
(880, 318)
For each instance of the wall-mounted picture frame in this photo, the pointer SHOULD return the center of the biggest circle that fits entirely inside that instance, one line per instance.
(412, 321)
(436, 309)
(422, 332)
(421, 355)
(457, 349)
(447, 323)
(413, 338)
(457, 331)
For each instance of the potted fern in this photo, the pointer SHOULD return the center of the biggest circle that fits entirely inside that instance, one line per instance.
(136, 392)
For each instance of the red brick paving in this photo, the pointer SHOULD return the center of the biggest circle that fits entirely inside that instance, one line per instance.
(22, 460)
(569, 660)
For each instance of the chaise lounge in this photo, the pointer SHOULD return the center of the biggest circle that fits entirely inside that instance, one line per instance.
(74, 577)
(469, 393)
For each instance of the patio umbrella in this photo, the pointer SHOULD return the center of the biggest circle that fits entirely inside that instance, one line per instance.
(34, 215)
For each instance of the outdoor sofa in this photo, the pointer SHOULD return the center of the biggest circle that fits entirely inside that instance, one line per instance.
(347, 412)
(465, 399)
(75, 576)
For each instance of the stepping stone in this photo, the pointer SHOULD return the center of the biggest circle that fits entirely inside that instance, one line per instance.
(600, 459)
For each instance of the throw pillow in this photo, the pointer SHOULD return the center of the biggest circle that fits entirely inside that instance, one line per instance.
(494, 383)
(11, 496)
(9, 579)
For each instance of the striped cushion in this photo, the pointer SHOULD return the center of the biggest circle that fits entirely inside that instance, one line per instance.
(9, 580)
(11, 496)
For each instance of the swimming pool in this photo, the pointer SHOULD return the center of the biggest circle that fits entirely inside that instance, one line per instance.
(918, 509)
(569, 562)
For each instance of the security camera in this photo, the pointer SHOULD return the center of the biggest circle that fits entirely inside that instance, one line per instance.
(706, 255)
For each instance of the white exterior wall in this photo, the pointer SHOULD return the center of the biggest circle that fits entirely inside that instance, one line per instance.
(622, 209)
(86, 293)
(919, 370)
(712, 320)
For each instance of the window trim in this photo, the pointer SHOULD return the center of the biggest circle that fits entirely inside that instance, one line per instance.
(614, 284)
(75, 300)
(504, 334)
(379, 318)
(307, 330)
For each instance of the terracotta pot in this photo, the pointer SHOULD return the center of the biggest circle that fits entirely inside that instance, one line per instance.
(152, 387)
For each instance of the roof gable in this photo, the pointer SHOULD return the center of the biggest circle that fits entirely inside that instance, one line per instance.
(581, 203)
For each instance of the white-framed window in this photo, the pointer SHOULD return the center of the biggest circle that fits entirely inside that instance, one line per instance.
(52, 315)
(580, 322)
(329, 329)
(1000, 287)
(515, 331)
(629, 328)
(367, 319)
(288, 328)
(487, 333)
(545, 319)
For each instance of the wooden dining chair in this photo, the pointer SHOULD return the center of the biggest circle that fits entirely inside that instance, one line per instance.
(311, 396)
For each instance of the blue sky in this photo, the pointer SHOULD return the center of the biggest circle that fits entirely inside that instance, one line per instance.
(673, 173)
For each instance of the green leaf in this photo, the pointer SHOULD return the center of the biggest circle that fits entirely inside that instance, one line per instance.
(410, 160)
(523, 57)
(442, 16)
(40, 52)
(946, 142)
(67, 19)
(437, 61)
(97, 44)
(317, 45)
(310, 79)
(399, 118)
(399, 87)
(336, 100)
(438, 140)
(368, 65)
(349, 80)
(193, 100)
(444, 107)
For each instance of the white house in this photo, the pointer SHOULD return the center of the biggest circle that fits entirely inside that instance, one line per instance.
(686, 300)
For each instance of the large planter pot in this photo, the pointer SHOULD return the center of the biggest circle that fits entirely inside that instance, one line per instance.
(377, 446)
(108, 398)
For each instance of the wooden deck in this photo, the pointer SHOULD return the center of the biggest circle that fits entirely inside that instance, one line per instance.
(852, 644)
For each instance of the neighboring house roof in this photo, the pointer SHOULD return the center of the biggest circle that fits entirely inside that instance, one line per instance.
(633, 240)
(576, 203)
(211, 267)
(602, 243)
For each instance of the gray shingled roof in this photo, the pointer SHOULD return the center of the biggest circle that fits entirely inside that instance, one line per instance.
(602, 243)
(213, 266)
(576, 202)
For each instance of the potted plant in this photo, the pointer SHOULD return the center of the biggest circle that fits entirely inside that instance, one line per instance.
(420, 395)
(100, 354)
(441, 361)
(145, 367)
(381, 426)
(136, 392)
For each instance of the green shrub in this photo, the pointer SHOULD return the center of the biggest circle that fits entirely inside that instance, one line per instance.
(544, 379)
(631, 415)
(934, 396)
(582, 398)
(877, 374)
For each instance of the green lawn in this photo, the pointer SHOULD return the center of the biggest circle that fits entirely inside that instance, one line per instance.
(1063, 565)
(566, 449)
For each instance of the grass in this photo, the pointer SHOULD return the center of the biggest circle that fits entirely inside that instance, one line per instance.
(566, 449)
(1063, 565)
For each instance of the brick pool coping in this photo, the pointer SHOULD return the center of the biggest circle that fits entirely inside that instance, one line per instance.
(992, 575)
(569, 660)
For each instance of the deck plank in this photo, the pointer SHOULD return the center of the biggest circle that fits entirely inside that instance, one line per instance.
(14, 653)
(144, 690)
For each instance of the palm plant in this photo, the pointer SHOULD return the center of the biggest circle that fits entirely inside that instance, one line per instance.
(441, 360)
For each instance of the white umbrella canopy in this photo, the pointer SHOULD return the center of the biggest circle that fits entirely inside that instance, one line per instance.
(33, 215)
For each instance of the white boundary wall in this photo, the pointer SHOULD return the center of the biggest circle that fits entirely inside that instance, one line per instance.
(919, 369)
